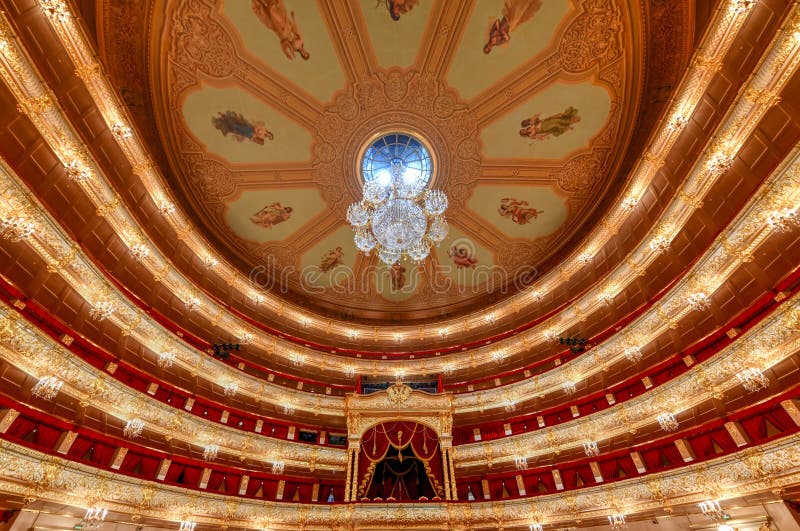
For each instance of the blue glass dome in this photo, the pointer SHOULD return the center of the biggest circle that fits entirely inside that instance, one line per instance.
(397, 148)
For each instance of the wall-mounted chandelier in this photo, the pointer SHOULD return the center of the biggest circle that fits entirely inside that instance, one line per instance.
(398, 215)
(94, 517)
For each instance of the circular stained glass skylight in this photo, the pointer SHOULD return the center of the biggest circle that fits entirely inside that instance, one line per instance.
(394, 150)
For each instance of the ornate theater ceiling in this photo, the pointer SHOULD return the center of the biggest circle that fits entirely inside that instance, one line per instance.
(263, 108)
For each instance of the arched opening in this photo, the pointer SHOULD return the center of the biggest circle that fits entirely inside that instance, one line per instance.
(400, 461)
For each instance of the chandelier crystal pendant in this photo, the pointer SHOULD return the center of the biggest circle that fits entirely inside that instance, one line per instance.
(667, 421)
(94, 517)
(47, 388)
(398, 216)
(133, 428)
(752, 379)
(711, 509)
(617, 521)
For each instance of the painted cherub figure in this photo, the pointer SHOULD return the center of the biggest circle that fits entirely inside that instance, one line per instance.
(271, 215)
(398, 7)
(555, 125)
(331, 259)
(272, 13)
(397, 274)
(515, 13)
(461, 256)
(517, 210)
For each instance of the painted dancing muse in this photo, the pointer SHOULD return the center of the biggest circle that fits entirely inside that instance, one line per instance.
(515, 13)
(273, 14)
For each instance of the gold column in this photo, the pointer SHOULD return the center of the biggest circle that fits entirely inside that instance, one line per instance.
(452, 474)
(354, 479)
(349, 476)
(446, 470)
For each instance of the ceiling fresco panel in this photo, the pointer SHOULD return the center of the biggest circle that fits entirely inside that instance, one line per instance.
(240, 129)
(527, 27)
(331, 261)
(396, 41)
(282, 34)
(269, 215)
(552, 124)
(528, 212)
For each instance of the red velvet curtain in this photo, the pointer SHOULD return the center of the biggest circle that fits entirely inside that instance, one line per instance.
(130, 462)
(755, 427)
(215, 480)
(702, 446)
(79, 447)
(174, 472)
(191, 476)
(102, 454)
(20, 428)
(569, 477)
(626, 464)
(378, 441)
(723, 439)
(47, 436)
(150, 466)
(781, 419)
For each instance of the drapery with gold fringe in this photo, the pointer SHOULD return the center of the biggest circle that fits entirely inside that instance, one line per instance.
(378, 441)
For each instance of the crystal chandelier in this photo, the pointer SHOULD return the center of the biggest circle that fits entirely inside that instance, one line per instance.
(94, 517)
(752, 379)
(398, 216)
(277, 467)
(229, 389)
(102, 310)
(16, 228)
(591, 448)
(783, 220)
(210, 452)
(521, 462)
(569, 387)
(187, 525)
(47, 387)
(133, 428)
(166, 359)
(616, 521)
(633, 353)
(667, 421)
(535, 527)
(711, 509)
